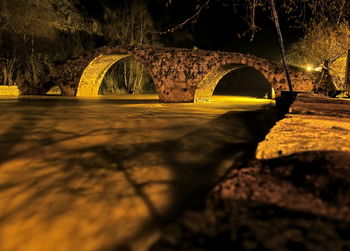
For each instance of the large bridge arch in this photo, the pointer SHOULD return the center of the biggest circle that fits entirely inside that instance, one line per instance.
(206, 87)
(93, 75)
(91, 79)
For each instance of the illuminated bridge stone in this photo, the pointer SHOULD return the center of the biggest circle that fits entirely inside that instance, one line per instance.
(180, 75)
(93, 74)
(6, 90)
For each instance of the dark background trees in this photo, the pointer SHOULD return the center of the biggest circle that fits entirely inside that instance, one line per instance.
(37, 34)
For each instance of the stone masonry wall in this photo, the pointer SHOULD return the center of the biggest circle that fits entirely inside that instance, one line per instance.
(177, 72)
(9, 90)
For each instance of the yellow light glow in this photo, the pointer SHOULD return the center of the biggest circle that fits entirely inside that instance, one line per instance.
(318, 68)
(309, 68)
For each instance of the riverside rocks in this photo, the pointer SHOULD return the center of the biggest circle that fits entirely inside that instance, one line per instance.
(294, 198)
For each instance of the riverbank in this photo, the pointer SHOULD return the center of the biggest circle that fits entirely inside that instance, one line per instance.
(314, 123)
(293, 196)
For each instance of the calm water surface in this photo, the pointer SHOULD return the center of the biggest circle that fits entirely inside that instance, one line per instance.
(107, 173)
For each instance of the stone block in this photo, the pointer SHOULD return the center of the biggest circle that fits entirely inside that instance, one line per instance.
(6, 90)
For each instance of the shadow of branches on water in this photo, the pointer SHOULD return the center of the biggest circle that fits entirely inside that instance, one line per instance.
(24, 126)
(113, 173)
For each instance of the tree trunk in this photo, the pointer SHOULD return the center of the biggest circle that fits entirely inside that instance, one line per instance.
(347, 74)
(140, 75)
(330, 84)
(281, 43)
(125, 76)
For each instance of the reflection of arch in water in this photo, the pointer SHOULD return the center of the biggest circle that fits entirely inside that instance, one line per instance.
(91, 79)
(207, 86)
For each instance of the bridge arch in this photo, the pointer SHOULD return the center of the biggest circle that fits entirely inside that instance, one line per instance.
(91, 79)
(93, 75)
(206, 87)
(179, 75)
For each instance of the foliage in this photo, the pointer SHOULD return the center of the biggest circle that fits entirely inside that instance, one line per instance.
(31, 36)
(44, 33)
(302, 13)
(17, 29)
(130, 25)
(127, 77)
(22, 18)
(324, 45)
(8, 71)
(326, 37)
(338, 71)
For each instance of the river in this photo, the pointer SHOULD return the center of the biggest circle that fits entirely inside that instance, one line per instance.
(107, 173)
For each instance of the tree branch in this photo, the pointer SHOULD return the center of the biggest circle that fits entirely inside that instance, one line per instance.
(180, 25)
(341, 12)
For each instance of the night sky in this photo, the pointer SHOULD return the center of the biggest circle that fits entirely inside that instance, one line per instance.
(216, 28)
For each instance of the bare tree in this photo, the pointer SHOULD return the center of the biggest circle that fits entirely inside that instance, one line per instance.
(324, 45)
(130, 25)
(347, 73)
(199, 9)
(302, 13)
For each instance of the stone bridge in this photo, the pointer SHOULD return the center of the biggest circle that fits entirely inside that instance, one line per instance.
(180, 75)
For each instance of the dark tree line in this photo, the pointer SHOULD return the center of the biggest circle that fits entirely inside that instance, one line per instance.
(36, 35)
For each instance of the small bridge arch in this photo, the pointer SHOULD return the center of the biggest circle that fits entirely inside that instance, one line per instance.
(206, 87)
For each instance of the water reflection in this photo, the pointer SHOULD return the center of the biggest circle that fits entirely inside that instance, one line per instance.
(95, 174)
